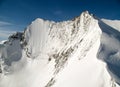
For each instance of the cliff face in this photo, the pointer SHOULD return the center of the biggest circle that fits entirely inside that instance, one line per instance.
(63, 54)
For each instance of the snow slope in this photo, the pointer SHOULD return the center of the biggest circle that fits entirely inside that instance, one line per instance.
(63, 54)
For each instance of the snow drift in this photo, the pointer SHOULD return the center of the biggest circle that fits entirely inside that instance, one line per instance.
(83, 52)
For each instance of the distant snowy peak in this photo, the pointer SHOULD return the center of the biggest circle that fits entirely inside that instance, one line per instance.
(113, 23)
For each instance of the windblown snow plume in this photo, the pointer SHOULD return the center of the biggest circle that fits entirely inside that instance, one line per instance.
(83, 52)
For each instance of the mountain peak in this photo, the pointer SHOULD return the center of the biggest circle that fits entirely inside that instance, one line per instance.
(85, 12)
(83, 15)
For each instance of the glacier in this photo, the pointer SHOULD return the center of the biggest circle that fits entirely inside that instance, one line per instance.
(82, 52)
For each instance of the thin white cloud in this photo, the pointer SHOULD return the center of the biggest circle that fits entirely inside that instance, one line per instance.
(2, 23)
(4, 34)
(4, 30)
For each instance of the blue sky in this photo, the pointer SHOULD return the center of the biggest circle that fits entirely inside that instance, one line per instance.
(15, 15)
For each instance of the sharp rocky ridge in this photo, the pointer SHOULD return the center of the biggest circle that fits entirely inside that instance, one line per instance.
(82, 52)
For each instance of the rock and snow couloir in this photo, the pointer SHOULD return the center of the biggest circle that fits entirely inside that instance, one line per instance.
(74, 53)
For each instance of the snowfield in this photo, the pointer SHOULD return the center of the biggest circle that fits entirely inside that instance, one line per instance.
(83, 52)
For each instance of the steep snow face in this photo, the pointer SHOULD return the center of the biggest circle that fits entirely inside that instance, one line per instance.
(36, 36)
(50, 54)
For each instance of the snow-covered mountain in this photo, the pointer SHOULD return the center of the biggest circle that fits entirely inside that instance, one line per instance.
(83, 52)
